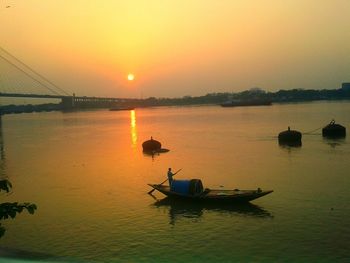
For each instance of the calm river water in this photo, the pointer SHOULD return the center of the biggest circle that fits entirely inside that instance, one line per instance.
(88, 176)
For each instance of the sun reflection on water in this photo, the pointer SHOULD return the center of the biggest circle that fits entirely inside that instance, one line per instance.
(133, 128)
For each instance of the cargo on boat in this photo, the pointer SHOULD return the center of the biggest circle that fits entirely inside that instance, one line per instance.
(193, 190)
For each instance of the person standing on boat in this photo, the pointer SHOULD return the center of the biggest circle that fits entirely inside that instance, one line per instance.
(170, 176)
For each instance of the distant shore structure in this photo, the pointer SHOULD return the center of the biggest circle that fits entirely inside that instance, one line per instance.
(121, 108)
(250, 102)
(345, 86)
(252, 97)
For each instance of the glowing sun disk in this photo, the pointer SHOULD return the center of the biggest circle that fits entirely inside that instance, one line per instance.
(131, 77)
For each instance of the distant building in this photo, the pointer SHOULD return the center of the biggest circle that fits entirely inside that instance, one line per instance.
(345, 86)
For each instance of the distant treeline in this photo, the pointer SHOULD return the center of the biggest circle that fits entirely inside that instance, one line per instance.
(8, 109)
(294, 95)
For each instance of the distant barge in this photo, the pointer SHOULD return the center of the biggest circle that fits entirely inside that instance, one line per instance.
(121, 108)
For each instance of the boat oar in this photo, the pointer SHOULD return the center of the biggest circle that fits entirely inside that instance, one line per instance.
(150, 192)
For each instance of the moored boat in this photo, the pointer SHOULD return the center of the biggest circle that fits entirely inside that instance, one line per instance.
(151, 146)
(192, 190)
(290, 138)
(334, 130)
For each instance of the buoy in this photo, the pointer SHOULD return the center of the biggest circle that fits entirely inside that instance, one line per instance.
(333, 130)
(151, 145)
(290, 137)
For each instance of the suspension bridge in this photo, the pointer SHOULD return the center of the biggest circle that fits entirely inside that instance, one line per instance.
(19, 80)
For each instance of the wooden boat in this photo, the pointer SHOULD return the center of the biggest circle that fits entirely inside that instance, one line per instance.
(212, 195)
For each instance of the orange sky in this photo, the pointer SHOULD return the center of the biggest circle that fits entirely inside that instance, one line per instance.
(178, 48)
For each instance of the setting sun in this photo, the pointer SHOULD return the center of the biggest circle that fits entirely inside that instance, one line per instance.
(131, 77)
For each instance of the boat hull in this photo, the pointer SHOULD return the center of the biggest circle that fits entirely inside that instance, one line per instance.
(211, 195)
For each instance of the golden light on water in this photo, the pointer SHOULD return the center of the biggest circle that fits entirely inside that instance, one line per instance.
(133, 128)
(131, 77)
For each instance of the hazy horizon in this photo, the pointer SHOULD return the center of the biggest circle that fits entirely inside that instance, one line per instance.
(179, 48)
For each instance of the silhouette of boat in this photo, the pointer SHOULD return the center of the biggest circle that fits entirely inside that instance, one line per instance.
(192, 190)
(247, 102)
(290, 138)
(334, 130)
(151, 146)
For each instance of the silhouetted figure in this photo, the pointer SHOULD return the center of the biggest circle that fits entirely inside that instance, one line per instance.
(170, 176)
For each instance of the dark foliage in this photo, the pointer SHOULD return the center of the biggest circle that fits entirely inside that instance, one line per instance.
(10, 210)
(5, 185)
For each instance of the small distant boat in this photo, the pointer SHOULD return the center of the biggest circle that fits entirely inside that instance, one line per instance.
(248, 102)
(121, 108)
(192, 190)
(151, 145)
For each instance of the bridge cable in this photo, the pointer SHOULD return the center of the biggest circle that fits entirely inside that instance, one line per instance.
(8, 61)
(35, 72)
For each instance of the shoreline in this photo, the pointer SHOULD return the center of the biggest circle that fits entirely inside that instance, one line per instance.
(48, 107)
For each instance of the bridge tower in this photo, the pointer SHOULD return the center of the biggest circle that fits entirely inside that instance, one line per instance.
(68, 102)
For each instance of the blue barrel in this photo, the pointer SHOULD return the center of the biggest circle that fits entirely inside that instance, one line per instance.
(187, 187)
(181, 186)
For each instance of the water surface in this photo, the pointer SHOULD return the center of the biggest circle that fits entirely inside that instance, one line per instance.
(88, 176)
